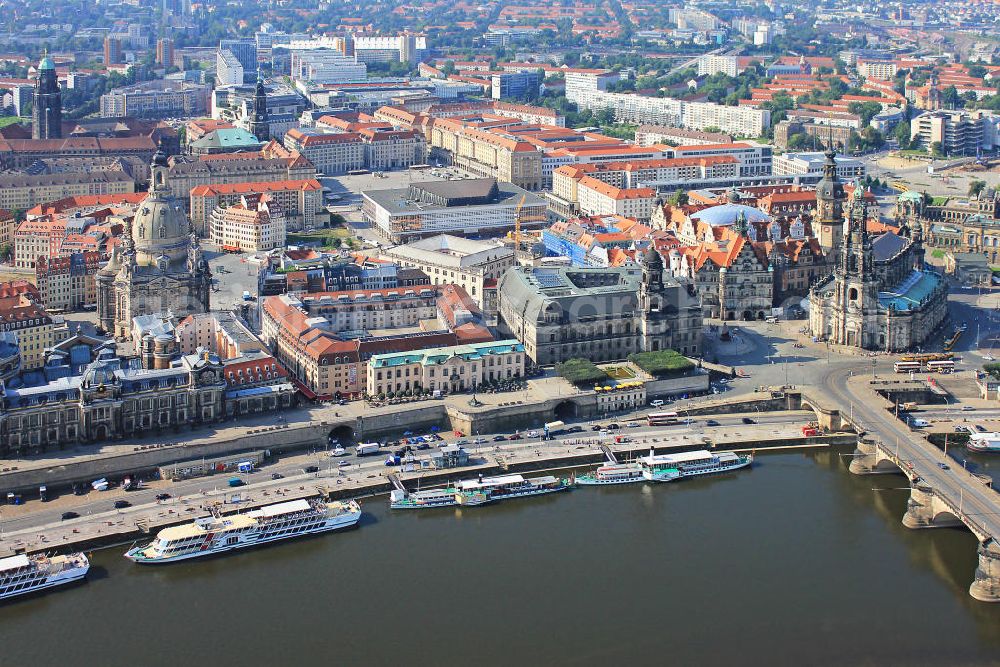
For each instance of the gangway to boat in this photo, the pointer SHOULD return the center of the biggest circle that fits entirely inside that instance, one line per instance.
(609, 454)
(396, 482)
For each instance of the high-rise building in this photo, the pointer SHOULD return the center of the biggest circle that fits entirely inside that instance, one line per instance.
(244, 51)
(165, 51)
(46, 114)
(113, 51)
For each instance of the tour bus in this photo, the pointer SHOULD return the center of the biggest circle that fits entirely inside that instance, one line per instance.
(940, 366)
(662, 418)
(907, 366)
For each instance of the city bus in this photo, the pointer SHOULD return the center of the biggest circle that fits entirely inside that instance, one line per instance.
(940, 366)
(907, 366)
(662, 418)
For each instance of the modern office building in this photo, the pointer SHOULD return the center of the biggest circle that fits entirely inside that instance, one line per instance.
(480, 206)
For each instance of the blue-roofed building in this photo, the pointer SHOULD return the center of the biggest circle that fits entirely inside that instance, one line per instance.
(226, 140)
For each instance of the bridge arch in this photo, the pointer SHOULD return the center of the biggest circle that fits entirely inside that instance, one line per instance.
(946, 517)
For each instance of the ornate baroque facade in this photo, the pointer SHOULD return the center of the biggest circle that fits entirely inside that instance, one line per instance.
(879, 297)
(158, 268)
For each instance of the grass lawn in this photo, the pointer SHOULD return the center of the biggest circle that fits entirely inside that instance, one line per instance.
(937, 254)
(664, 363)
(581, 372)
(940, 200)
(11, 120)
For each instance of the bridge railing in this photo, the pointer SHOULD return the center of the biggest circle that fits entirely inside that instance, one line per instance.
(904, 464)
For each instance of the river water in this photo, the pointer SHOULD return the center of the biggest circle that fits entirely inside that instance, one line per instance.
(794, 562)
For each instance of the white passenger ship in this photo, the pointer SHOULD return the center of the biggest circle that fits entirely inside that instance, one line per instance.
(21, 574)
(472, 492)
(405, 500)
(613, 473)
(217, 534)
(668, 467)
(984, 442)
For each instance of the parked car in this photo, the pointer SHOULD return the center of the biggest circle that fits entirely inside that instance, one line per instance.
(122, 504)
(574, 429)
(499, 438)
(532, 434)
(461, 443)
(596, 427)
(711, 422)
(163, 496)
(613, 426)
(277, 475)
(311, 469)
(423, 445)
(748, 420)
(967, 408)
(69, 515)
(480, 441)
(943, 466)
(656, 404)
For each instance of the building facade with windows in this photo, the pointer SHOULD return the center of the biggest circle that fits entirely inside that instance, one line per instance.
(599, 314)
(254, 224)
(475, 206)
(451, 369)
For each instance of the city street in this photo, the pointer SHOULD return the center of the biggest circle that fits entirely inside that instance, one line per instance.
(197, 492)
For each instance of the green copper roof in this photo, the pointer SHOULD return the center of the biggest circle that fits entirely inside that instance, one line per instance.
(46, 63)
(910, 195)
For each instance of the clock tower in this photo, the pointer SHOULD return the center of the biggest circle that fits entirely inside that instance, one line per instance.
(829, 217)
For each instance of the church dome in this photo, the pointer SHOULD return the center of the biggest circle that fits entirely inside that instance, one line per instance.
(726, 214)
(46, 63)
(160, 229)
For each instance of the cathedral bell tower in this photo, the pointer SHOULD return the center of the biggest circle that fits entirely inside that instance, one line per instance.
(855, 316)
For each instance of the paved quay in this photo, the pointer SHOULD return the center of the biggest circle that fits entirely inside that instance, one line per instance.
(105, 528)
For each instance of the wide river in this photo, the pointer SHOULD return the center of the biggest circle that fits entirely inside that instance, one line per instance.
(795, 562)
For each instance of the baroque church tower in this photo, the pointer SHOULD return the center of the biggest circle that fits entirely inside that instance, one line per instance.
(258, 124)
(855, 315)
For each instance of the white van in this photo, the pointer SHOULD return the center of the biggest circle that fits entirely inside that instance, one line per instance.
(919, 423)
